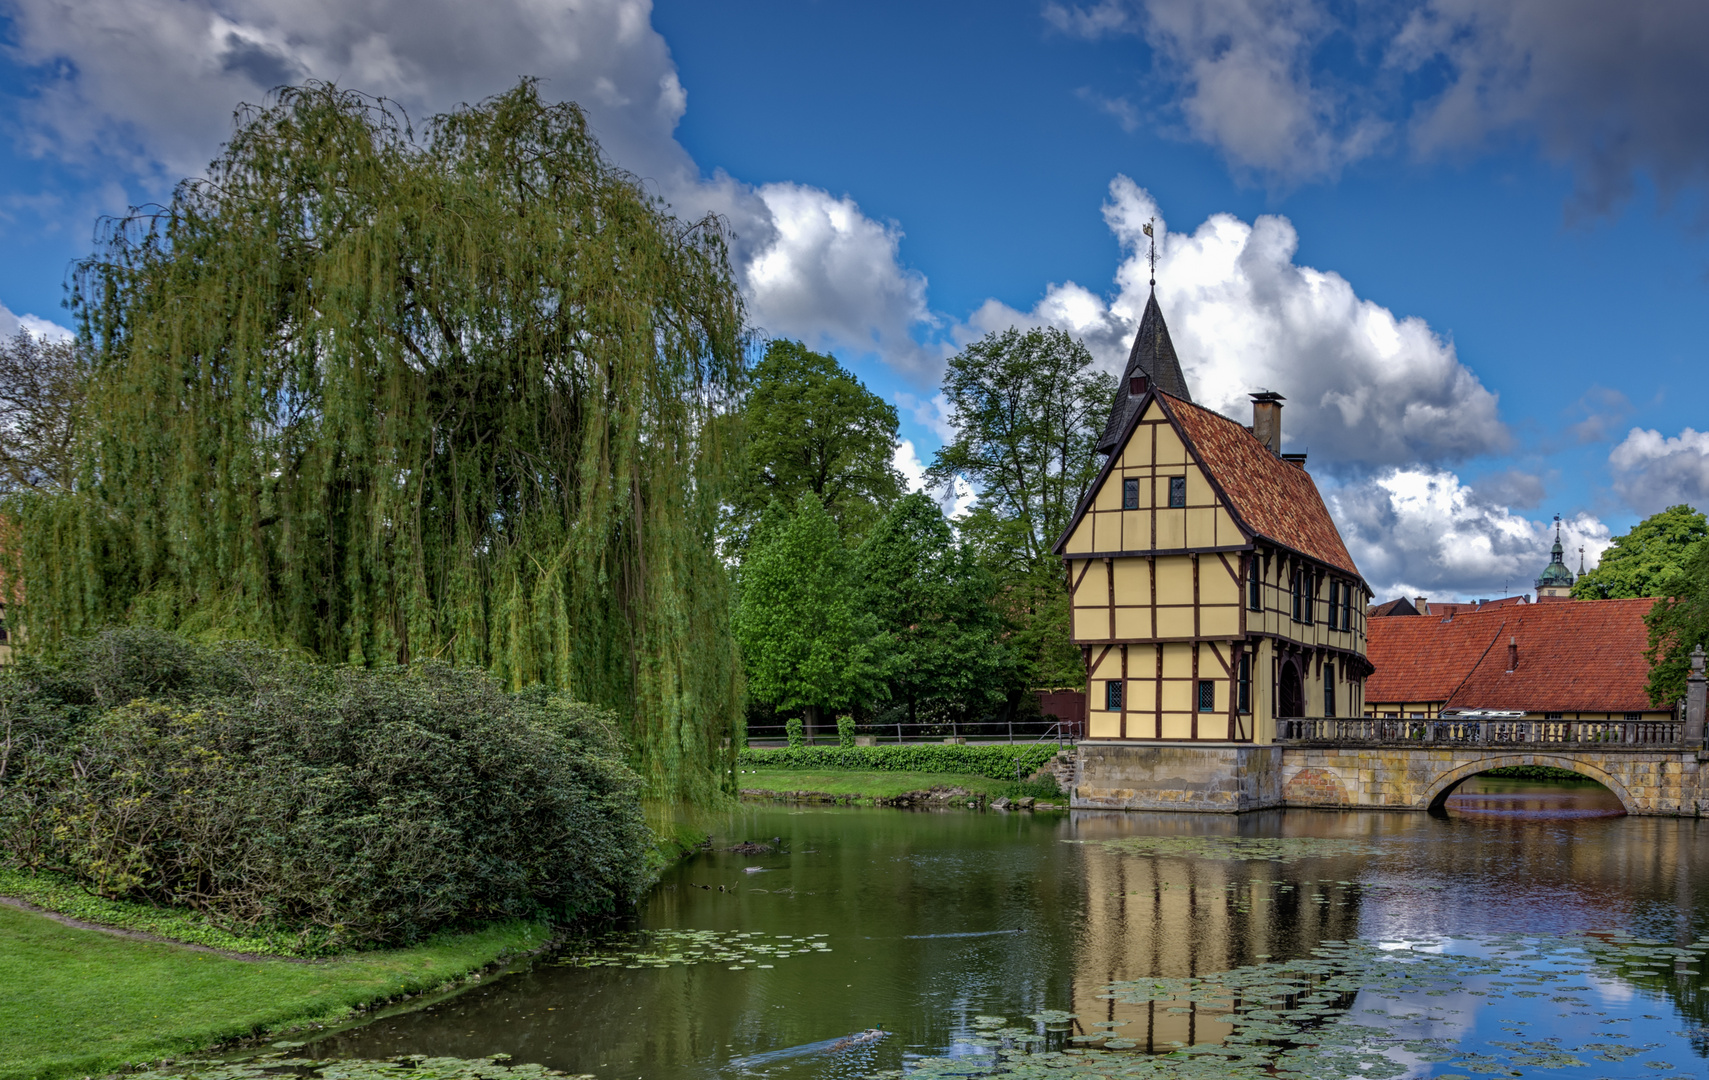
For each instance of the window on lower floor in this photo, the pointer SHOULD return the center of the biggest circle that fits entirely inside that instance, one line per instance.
(1207, 695)
(1329, 689)
(1113, 696)
(1243, 701)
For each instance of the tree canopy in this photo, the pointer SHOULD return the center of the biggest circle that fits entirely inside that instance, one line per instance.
(1028, 408)
(41, 411)
(938, 632)
(812, 426)
(1645, 561)
(381, 397)
(1678, 623)
(806, 642)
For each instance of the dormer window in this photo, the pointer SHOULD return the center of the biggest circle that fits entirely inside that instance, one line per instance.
(1177, 491)
(1130, 494)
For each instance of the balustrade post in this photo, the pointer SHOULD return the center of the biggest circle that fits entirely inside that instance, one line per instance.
(1696, 694)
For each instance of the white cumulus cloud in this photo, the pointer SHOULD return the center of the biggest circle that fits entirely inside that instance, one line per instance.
(10, 324)
(1654, 471)
(1421, 531)
(148, 88)
(1364, 387)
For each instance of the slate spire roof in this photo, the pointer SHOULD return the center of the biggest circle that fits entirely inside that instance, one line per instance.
(1153, 356)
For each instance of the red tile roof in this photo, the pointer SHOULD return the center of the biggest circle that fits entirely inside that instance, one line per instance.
(1583, 656)
(1398, 607)
(1437, 607)
(1274, 498)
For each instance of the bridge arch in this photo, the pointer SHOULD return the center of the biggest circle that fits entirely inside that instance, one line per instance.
(1448, 782)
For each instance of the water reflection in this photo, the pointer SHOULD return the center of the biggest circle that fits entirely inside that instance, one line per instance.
(937, 919)
(1485, 795)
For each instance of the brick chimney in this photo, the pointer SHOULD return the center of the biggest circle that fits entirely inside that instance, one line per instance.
(1267, 419)
(1512, 655)
(1422, 603)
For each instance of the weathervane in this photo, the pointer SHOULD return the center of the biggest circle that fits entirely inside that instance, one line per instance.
(1153, 237)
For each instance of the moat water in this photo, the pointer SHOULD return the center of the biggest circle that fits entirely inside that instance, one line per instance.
(1573, 935)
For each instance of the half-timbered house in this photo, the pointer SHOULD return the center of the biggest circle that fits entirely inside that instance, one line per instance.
(1211, 590)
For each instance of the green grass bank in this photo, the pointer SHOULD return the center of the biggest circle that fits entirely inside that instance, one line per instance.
(78, 1002)
(882, 785)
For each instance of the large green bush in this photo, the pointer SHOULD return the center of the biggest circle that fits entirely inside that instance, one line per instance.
(363, 807)
(996, 762)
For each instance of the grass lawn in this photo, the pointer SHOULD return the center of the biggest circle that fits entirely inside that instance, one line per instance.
(78, 1002)
(879, 785)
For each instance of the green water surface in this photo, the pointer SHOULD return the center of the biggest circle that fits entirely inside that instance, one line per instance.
(1529, 933)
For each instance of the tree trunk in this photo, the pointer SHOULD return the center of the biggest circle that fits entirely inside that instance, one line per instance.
(810, 720)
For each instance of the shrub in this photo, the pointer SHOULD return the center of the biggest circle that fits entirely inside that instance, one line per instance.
(996, 762)
(792, 730)
(845, 731)
(361, 807)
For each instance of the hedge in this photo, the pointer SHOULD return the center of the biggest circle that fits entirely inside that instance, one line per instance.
(995, 762)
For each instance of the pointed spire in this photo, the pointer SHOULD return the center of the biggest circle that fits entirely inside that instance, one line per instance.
(1153, 360)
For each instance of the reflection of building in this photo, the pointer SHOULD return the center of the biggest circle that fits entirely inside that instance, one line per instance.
(1211, 590)
(1555, 661)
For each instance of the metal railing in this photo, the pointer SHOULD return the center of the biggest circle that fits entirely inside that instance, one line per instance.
(1391, 731)
(1047, 729)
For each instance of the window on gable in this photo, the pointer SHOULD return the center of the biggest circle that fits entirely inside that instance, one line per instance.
(1177, 491)
(1113, 695)
(1254, 584)
(1334, 604)
(1329, 689)
(1130, 494)
(1207, 695)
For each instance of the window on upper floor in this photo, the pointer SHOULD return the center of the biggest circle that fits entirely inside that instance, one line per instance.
(1207, 695)
(1177, 491)
(1334, 604)
(1553, 716)
(1633, 717)
(1347, 606)
(1310, 607)
(1130, 494)
(1329, 689)
(1113, 695)
(1299, 609)
(1254, 584)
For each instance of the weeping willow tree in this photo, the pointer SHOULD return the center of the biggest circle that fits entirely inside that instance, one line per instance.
(380, 397)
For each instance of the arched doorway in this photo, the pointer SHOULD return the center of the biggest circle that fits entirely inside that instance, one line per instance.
(1291, 695)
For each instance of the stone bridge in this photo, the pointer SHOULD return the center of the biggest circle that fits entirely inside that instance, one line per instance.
(1651, 767)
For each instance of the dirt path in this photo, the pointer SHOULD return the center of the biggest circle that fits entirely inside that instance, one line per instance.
(141, 935)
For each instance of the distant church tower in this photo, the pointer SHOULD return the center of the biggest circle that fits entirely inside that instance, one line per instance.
(1557, 580)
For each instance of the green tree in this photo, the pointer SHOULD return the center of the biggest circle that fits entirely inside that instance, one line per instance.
(812, 426)
(1028, 408)
(41, 412)
(932, 604)
(1678, 623)
(380, 397)
(805, 642)
(1645, 561)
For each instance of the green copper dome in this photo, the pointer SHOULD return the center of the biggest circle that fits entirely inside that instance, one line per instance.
(1556, 575)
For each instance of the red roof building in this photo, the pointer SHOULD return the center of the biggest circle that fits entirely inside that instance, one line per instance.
(1581, 660)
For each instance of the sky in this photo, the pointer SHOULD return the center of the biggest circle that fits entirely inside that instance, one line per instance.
(1468, 242)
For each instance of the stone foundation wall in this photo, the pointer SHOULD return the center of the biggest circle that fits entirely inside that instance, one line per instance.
(1234, 779)
(1174, 776)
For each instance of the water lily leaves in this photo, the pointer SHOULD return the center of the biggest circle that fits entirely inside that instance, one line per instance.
(671, 948)
(411, 1067)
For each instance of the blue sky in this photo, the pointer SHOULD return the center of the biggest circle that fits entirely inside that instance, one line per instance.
(1467, 241)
